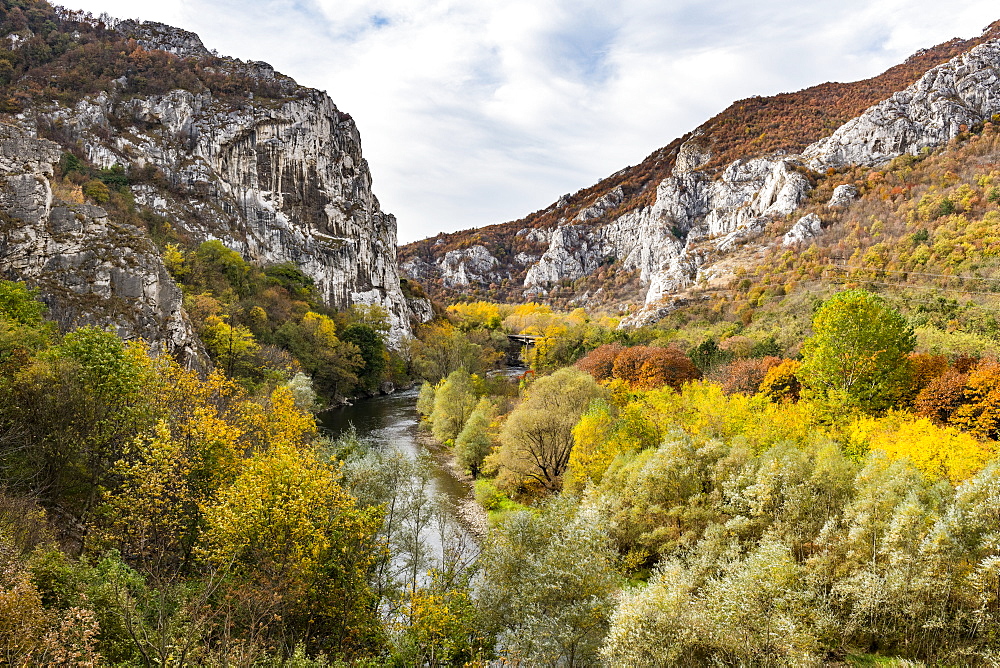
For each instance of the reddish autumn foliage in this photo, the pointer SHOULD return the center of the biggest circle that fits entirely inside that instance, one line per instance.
(600, 362)
(643, 367)
(939, 399)
(665, 366)
(629, 362)
(926, 368)
(979, 412)
(746, 375)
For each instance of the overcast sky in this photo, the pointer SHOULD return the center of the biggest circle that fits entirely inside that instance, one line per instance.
(475, 112)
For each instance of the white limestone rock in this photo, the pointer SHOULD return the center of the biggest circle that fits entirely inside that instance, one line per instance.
(692, 154)
(277, 180)
(467, 266)
(535, 236)
(606, 202)
(963, 91)
(803, 230)
(152, 35)
(89, 270)
(843, 196)
(573, 252)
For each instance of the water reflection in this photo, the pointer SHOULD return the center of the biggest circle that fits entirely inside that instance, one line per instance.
(422, 529)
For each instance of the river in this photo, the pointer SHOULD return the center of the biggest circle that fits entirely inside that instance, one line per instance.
(391, 424)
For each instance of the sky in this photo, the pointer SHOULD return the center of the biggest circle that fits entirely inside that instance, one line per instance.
(475, 112)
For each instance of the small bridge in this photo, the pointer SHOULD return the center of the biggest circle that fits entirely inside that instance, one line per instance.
(517, 355)
(524, 339)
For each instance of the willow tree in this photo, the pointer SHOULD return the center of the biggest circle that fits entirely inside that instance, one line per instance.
(537, 438)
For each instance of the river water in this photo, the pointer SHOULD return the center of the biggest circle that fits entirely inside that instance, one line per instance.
(438, 519)
(392, 422)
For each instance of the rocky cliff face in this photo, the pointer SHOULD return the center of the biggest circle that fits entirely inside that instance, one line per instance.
(89, 269)
(279, 177)
(703, 213)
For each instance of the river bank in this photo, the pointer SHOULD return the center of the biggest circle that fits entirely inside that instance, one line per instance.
(392, 421)
(472, 515)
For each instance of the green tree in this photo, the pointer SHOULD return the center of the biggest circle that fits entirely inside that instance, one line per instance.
(475, 442)
(441, 349)
(373, 352)
(425, 400)
(454, 402)
(548, 586)
(858, 354)
(537, 437)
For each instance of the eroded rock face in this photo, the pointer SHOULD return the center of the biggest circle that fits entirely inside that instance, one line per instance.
(280, 179)
(803, 230)
(152, 35)
(659, 241)
(695, 218)
(963, 91)
(468, 266)
(89, 269)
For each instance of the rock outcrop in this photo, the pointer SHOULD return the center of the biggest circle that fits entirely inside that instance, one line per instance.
(803, 230)
(467, 266)
(961, 92)
(719, 192)
(695, 216)
(280, 177)
(842, 196)
(89, 269)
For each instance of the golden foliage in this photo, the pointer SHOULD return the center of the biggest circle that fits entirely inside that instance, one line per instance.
(940, 451)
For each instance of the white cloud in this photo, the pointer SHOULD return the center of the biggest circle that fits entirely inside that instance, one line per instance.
(475, 112)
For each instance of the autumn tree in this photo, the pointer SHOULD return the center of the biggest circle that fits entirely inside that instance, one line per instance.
(781, 383)
(600, 362)
(454, 401)
(745, 375)
(942, 396)
(858, 353)
(665, 366)
(299, 549)
(537, 437)
(475, 441)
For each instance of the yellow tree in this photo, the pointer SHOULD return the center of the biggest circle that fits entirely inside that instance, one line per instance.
(299, 550)
(537, 437)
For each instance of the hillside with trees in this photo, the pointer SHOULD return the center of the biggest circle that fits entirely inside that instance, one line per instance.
(756, 126)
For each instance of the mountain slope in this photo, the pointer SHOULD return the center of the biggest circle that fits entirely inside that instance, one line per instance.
(197, 147)
(638, 236)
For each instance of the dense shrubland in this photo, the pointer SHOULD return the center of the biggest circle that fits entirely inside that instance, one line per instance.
(737, 507)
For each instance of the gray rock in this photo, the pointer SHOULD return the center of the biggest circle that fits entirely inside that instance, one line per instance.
(88, 269)
(963, 91)
(843, 196)
(152, 35)
(805, 229)
(606, 202)
(466, 266)
(277, 180)
(692, 154)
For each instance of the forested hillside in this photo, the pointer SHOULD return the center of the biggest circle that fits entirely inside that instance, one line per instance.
(759, 126)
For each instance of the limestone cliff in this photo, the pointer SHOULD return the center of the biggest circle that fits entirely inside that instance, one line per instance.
(682, 214)
(89, 269)
(270, 168)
